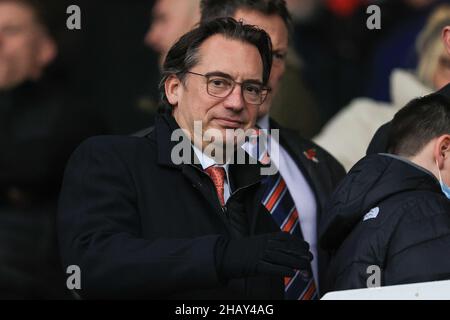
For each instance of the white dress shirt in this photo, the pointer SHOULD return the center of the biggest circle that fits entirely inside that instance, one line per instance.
(301, 193)
(207, 162)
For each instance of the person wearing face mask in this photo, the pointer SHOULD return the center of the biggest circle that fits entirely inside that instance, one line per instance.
(393, 209)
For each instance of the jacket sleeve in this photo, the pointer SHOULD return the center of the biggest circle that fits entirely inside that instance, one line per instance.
(99, 231)
(419, 245)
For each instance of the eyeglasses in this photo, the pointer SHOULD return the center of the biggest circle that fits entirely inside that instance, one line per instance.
(221, 87)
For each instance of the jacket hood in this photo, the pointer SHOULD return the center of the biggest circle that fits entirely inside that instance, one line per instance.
(372, 180)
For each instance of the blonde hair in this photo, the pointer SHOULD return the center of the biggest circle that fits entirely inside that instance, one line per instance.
(429, 44)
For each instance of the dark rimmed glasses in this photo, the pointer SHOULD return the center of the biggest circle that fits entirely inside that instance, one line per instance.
(221, 87)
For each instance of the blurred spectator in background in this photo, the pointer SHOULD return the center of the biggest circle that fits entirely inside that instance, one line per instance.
(302, 10)
(293, 105)
(342, 58)
(108, 62)
(41, 123)
(26, 47)
(349, 133)
(170, 20)
(379, 141)
(402, 22)
(332, 39)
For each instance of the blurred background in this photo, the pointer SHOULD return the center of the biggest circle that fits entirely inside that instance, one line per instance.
(111, 62)
(60, 86)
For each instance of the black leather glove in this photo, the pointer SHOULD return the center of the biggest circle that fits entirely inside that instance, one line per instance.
(277, 253)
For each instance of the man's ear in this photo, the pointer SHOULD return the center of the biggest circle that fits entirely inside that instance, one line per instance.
(446, 38)
(442, 150)
(173, 86)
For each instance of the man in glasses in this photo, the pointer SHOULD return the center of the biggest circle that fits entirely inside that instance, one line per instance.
(221, 85)
(307, 171)
(139, 224)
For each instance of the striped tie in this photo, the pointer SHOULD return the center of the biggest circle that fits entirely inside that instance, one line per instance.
(280, 204)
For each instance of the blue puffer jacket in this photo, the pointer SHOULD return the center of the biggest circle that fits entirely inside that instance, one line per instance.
(388, 213)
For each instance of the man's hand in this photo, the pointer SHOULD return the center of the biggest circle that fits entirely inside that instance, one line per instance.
(277, 253)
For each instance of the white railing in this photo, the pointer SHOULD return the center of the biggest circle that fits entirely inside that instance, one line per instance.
(438, 290)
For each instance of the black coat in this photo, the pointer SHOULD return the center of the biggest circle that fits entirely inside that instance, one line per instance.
(407, 233)
(321, 170)
(41, 124)
(140, 226)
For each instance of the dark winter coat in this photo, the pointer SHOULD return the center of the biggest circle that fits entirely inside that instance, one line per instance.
(388, 213)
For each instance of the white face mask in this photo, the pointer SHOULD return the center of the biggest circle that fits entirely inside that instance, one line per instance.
(445, 188)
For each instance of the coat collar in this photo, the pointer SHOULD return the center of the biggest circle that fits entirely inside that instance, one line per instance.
(165, 125)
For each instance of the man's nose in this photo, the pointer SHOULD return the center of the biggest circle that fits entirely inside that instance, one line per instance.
(235, 100)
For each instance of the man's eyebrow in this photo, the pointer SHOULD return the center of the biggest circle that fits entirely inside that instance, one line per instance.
(226, 75)
(219, 74)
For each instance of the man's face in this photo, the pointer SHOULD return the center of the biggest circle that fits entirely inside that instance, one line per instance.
(171, 19)
(217, 55)
(24, 46)
(278, 32)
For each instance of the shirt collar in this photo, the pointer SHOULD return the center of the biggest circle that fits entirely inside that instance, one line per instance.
(206, 161)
